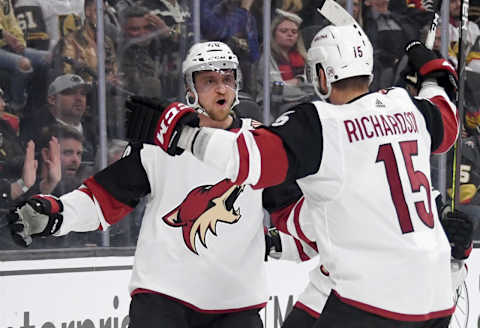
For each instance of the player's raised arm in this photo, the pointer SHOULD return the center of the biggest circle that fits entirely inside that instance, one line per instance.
(437, 84)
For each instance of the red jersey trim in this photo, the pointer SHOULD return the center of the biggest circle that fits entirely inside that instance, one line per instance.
(244, 165)
(279, 218)
(193, 307)
(395, 315)
(303, 256)
(273, 158)
(299, 305)
(296, 222)
(112, 209)
(450, 124)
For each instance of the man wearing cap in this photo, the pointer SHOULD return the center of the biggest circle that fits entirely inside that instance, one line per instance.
(66, 105)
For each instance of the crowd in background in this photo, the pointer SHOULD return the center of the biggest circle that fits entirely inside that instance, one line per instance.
(49, 113)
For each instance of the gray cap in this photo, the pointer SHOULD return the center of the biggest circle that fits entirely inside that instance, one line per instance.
(65, 82)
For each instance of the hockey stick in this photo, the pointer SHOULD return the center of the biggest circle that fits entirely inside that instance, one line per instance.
(457, 154)
(430, 40)
(335, 13)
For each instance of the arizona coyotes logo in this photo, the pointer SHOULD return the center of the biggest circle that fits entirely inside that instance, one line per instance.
(203, 207)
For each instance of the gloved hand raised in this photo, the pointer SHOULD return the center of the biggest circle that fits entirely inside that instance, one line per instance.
(38, 216)
(153, 121)
(428, 65)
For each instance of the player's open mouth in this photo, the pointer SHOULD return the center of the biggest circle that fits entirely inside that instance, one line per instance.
(221, 102)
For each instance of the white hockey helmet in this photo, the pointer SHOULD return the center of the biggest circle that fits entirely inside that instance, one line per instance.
(343, 52)
(208, 56)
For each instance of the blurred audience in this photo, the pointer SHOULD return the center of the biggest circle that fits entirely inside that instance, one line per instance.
(176, 15)
(61, 151)
(472, 37)
(139, 58)
(45, 22)
(382, 27)
(231, 21)
(17, 62)
(77, 52)
(17, 167)
(287, 64)
(66, 105)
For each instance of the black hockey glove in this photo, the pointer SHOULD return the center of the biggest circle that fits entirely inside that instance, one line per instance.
(458, 227)
(428, 65)
(273, 243)
(154, 121)
(38, 216)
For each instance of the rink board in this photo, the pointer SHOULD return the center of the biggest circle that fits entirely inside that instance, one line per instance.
(92, 292)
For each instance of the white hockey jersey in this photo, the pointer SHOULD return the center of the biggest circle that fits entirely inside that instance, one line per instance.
(202, 238)
(364, 170)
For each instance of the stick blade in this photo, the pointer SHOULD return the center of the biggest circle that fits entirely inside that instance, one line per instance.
(335, 13)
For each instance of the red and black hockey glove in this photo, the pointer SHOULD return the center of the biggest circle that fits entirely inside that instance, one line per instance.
(154, 121)
(38, 216)
(428, 65)
(458, 227)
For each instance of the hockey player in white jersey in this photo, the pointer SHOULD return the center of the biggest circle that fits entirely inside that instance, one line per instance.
(199, 260)
(289, 242)
(363, 163)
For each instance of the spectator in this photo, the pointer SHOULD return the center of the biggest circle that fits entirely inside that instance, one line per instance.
(472, 37)
(59, 173)
(66, 174)
(77, 52)
(17, 170)
(287, 64)
(15, 59)
(45, 22)
(231, 22)
(382, 26)
(66, 105)
(469, 169)
(138, 58)
(177, 18)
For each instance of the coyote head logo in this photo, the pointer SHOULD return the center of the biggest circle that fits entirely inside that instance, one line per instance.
(203, 207)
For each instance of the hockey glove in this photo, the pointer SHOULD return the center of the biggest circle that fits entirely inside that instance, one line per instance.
(155, 122)
(39, 216)
(273, 243)
(428, 65)
(458, 227)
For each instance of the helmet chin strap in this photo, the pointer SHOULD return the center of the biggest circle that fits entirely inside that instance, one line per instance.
(316, 87)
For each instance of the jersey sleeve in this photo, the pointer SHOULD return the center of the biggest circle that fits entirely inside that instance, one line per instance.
(440, 116)
(301, 134)
(291, 148)
(108, 196)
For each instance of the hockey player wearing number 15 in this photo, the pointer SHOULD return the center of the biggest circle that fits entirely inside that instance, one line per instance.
(199, 260)
(362, 161)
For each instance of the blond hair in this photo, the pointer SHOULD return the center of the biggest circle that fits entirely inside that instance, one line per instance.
(275, 49)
